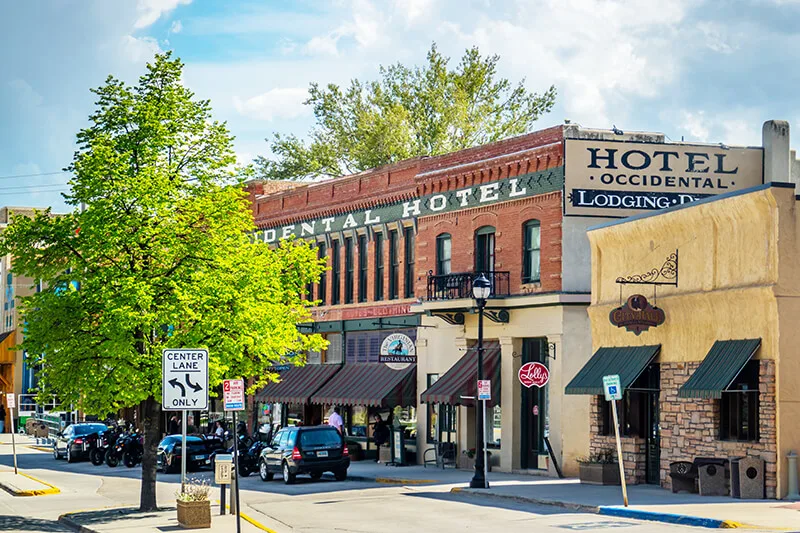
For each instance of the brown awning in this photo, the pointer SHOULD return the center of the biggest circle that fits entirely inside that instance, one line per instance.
(373, 384)
(297, 384)
(462, 379)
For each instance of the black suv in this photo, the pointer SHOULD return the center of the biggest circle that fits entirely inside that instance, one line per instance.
(305, 450)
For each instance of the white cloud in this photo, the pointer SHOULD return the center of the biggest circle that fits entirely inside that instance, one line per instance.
(716, 38)
(176, 27)
(282, 103)
(365, 26)
(139, 49)
(413, 10)
(736, 127)
(149, 11)
(325, 45)
(696, 124)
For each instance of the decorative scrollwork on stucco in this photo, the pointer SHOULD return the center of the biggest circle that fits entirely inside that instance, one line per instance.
(666, 275)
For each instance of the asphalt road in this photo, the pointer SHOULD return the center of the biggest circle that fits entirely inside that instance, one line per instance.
(322, 506)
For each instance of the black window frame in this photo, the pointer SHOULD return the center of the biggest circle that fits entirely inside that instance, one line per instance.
(440, 259)
(322, 253)
(336, 272)
(529, 251)
(363, 266)
(632, 411)
(739, 405)
(485, 241)
(349, 270)
(379, 289)
(394, 265)
(410, 259)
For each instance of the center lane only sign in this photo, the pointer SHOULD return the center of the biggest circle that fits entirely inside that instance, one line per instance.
(185, 379)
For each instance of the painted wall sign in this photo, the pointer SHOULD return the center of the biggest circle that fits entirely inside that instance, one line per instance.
(619, 179)
(398, 351)
(432, 204)
(531, 374)
(637, 315)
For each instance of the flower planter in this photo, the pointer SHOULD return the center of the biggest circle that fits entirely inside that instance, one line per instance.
(468, 463)
(194, 515)
(599, 473)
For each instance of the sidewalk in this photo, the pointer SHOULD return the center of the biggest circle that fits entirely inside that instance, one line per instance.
(646, 501)
(108, 520)
(25, 485)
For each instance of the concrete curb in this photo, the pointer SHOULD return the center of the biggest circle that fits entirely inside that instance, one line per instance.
(65, 520)
(388, 480)
(670, 518)
(524, 499)
(51, 489)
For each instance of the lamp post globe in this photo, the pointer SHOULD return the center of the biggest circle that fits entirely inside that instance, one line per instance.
(481, 290)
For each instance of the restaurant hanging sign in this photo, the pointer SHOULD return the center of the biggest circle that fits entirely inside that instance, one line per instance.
(637, 315)
(620, 179)
(531, 374)
(398, 351)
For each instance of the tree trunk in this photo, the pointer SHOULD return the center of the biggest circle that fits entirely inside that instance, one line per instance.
(151, 411)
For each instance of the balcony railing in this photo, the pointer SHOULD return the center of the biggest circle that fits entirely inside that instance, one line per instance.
(459, 285)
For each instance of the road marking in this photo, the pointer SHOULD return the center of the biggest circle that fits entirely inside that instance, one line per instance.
(252, 520)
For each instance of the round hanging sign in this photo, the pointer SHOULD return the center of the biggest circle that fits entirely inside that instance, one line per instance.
(398, 351)
(531, 374)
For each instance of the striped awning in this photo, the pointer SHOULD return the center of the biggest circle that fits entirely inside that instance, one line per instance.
(626, 361)
(459, 385)
(722, 364)
(372, 384)
(297, 384)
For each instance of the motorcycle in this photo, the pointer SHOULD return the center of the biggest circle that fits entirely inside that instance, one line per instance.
(244, 443)
(105, 441)
(133, 449)
(114, 454)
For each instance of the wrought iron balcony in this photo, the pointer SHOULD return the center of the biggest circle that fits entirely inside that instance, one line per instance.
(459, 285)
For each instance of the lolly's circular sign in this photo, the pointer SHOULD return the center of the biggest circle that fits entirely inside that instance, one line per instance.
(531, 374)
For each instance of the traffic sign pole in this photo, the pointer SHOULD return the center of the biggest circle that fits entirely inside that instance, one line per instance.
(619, 453)
(11, 401)
(235, 476)
(485, 452)
(184, 452)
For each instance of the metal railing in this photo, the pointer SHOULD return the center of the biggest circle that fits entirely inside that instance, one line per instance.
(459, 285)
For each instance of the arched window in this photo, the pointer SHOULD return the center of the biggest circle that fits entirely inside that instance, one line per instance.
(531, 252)
(443, 254)
(484, 249)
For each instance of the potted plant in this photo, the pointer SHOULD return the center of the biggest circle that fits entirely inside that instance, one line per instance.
(599, 469)
(194, 506)
(468, 460)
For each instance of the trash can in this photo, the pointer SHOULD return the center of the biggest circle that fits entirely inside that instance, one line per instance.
(751, 478)
(712, 476)
(735, 490)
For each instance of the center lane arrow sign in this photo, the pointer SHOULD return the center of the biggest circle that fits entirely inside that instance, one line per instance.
(185, 379)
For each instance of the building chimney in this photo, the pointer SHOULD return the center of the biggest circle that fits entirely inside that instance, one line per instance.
(777, 157)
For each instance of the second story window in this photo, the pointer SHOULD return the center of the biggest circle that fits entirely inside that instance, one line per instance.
(336, 265)
(443, 253)
(484, 249)
(394, 265)
(349, 270)
(531, 272)
(363, 262)
(322, 252)
(408, 239)
(378, 266)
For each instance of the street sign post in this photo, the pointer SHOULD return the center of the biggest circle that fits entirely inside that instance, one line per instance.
(612, 388)
(184, 387)
(485, 393)
(233, 398)
(222, 476)
(11, 402)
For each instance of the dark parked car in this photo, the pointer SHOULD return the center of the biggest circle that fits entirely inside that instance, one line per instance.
(305, 450)
(169, 453)
(76, 441)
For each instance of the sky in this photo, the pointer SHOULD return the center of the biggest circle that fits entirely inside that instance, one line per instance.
(706, 71)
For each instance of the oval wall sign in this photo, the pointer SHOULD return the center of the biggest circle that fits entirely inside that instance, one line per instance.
(531, 374)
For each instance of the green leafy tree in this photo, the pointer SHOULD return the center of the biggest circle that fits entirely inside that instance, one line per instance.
(159, 257)
(409, 112)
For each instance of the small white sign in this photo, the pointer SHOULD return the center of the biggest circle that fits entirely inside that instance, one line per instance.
(398, 351)
(185, 380)
(11, 400)
(484, 389)
(233, 394)
(612, 387)
(222, 469)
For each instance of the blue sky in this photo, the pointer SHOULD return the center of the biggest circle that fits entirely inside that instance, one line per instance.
(703, 70)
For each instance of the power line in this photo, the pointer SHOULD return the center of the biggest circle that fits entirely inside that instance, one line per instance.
(13, 176)
(37, 188)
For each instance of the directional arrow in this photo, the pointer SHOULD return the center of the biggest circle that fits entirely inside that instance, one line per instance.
(196, 387)
(175, 383)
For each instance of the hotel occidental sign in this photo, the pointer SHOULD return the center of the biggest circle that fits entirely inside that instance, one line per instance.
(637, 315)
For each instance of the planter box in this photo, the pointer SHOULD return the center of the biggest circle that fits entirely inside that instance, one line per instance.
(194, 515)
(599, 474)
(465, 463)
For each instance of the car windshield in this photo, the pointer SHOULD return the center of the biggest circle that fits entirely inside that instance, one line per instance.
(322, 437)
(86, 429)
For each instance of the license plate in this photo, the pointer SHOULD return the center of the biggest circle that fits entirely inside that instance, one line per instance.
(323, 453)
(207, 461)
(200, 457)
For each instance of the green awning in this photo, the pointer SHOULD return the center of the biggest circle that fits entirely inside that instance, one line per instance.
(627, 361)
(720, 367)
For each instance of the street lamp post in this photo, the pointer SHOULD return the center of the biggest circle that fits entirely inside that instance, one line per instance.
(481, 290)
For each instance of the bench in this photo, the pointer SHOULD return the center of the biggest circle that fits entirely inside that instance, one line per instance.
(444, 453)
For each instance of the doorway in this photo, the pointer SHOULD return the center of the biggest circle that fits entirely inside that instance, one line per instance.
(533, 409)
(653, 446)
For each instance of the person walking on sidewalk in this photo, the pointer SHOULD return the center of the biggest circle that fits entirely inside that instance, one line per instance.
(336, 421)
(380, 434)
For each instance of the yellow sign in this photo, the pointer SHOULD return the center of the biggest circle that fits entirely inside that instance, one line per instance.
(619, 179)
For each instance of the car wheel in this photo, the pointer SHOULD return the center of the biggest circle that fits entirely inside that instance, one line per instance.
(97, 456)
(341, 474)
(243, 471)
(288, 477)
(263, 472)
(70, 459)
(56, 455)
(316, 475)
(111, 459)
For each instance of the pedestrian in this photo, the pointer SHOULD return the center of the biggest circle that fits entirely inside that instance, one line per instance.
(336, 421)
(2, 418)
(173, 428)
(380, 434)
(219, 431)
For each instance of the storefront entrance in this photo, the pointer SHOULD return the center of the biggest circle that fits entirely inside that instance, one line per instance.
(653, 449)
(533, 410)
